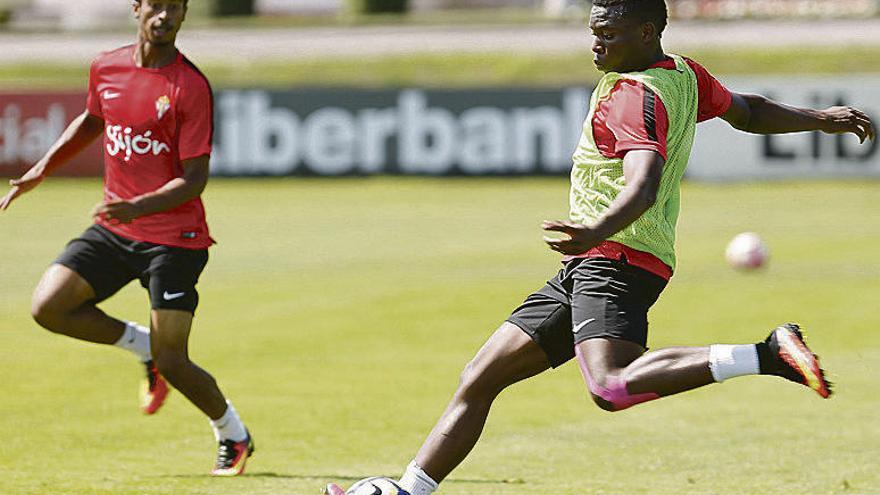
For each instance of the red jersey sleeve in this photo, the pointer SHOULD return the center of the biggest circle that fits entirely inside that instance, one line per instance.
(714, 98)
(93, 99)
(197, 125)
(637, 118)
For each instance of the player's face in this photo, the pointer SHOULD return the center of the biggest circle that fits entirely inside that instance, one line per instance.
(159, 20)
(618, 44)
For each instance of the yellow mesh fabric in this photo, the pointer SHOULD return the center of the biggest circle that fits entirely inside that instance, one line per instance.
(596, 180)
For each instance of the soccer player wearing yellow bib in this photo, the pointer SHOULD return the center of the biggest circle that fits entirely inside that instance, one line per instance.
(618, 244)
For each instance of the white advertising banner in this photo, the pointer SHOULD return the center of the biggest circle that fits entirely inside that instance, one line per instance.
(410, 131)
(490, 131)
(722, 153)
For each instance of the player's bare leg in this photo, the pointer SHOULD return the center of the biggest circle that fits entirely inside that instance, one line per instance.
(663, 372)
(61, 304)
(170, 335)
(170, 331)
(506, 358)
(620, 374)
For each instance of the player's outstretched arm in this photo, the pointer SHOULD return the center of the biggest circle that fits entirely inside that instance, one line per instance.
(642, 170)
(171, 195)
(760, 115)
(82, 131)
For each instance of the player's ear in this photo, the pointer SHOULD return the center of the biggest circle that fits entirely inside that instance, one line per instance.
(649, 32)
(136, 8)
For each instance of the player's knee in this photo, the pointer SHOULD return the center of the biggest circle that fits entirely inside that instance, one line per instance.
(603, 404)
(599, 391)
(611, 393)
(171, 364)
(41, 315)
(470, 381)
(475, 382)
(45, 313)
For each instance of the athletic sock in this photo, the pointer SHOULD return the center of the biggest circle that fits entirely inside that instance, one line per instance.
(729, 361)
(229, 426)
(136, 338)
(766, 359)
(416, 481)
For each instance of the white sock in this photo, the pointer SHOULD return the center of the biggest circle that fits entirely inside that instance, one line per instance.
(416, 481)
(136, 338)
(729, 361)
(229, 426)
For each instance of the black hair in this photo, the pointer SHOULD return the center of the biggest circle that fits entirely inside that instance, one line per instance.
(653, 11)
(139, 1)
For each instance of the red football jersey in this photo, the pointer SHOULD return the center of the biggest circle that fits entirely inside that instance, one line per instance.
(619, 121)
(621, 124)
(153, 120)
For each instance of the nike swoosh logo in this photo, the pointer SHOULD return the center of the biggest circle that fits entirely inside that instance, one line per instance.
(110, 95)
(582, 324)
(170, 297)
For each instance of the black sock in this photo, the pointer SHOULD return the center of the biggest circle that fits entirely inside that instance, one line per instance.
(766, 359)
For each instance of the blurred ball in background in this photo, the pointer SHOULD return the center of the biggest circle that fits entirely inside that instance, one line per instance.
(746, 251)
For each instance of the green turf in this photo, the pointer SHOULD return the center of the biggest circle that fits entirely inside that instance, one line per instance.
(445, 70)
(338, 313)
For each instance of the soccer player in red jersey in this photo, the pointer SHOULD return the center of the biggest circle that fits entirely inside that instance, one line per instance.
(619, 245)
(155, 110)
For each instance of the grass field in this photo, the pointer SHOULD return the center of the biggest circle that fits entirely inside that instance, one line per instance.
(338, 313)
(446, 70)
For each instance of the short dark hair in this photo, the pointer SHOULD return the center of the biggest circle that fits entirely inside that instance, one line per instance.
(139, 1)
(653, 11)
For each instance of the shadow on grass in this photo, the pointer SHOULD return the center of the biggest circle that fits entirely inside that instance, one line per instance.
(340, 477)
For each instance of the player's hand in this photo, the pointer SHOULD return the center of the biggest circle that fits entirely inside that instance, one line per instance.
(116, 211)
(28, 181)
(840, 120)
(580, 237)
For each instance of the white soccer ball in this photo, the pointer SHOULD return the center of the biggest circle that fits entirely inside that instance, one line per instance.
(376, 485)
(746, 251)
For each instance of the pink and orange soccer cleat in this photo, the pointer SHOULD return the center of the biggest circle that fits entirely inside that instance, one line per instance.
(795, 361)
(154, 389)
(333, 489)
(232, 456)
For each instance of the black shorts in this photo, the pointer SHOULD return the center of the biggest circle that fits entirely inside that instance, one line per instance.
(109, 262)
(589, 298)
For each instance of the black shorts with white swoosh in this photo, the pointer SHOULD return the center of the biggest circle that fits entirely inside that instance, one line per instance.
(589, 298)
(108, 262)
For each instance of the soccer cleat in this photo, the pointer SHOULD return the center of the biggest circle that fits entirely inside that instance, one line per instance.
(232, 456)
(333, 489)
(154, 389)
(795, 361)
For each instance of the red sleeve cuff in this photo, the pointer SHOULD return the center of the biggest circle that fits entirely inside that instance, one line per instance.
(192, 155)
(624, 146)
(725, 104)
